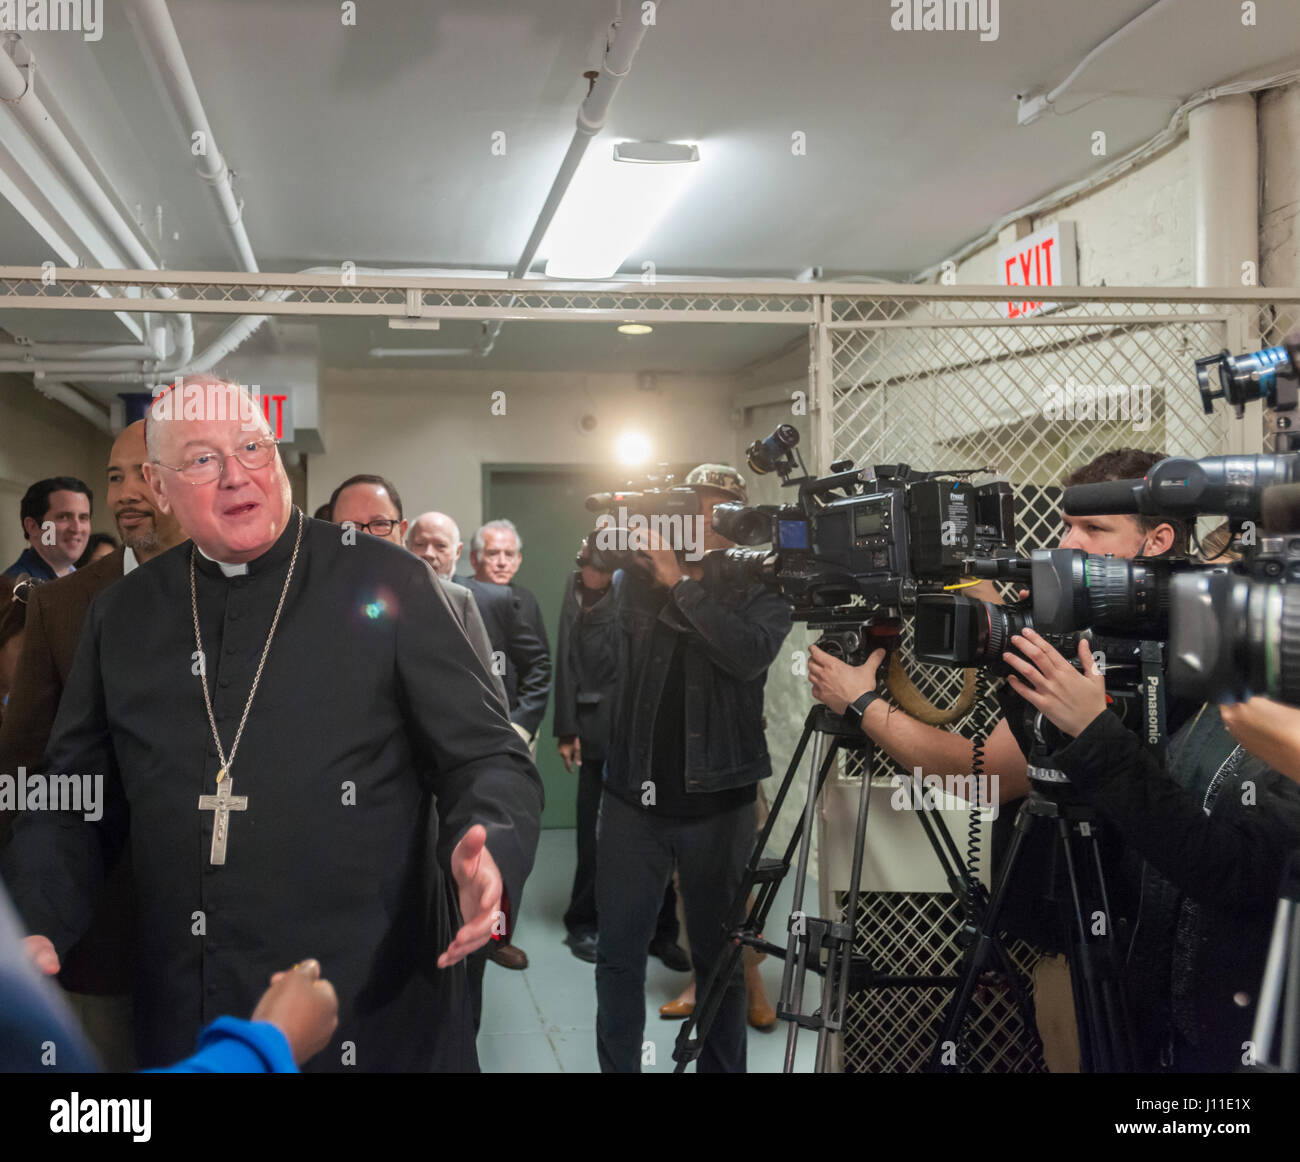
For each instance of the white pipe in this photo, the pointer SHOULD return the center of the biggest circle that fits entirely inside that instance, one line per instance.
(71, 352)
(154, 24)
(1114, 38)
(75, 401)
(620, 49)
(1223, 166)
(1130, 161)
(38, 123)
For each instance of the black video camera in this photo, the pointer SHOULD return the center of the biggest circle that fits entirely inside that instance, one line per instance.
(858, 546)
(655, 503)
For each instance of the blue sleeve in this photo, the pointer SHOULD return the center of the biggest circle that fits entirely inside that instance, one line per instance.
(230, 1045)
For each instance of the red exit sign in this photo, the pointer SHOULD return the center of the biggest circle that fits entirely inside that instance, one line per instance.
(1046, 257)
(274, 410)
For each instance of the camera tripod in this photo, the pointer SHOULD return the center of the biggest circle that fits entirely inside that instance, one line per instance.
(1279, 995)
(1105, 1037)
(825, 947)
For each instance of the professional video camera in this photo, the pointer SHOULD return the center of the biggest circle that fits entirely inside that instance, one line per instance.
(655, 502)
(857, 546)
(1120, 606)
(1234, 628)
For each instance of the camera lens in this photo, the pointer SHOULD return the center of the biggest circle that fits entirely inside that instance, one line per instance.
(1233, 636)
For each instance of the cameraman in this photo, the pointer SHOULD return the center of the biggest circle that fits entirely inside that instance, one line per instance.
(944, 752)
(685, 755)
(1028, 912)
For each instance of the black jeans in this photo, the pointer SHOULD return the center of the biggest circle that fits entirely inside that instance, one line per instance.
(636, 851)
(582, 913)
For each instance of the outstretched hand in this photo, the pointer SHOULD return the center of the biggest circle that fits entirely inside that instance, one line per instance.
(478, 880)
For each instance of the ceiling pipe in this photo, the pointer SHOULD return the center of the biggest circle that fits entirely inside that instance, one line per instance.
(75, 401)
(153, 24)
(621, 44)
(40, 126)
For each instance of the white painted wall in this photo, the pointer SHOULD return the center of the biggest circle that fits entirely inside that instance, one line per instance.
(430, 432)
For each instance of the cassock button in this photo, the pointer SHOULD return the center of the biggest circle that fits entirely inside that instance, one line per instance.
(234, 615)
(224, 682)
(211, 946)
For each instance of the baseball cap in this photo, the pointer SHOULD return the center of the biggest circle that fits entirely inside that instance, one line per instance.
(720, 476)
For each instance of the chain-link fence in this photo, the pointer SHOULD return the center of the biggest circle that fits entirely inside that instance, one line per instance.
(946, 380)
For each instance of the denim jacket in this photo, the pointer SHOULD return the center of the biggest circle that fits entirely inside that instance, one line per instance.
(731, 638)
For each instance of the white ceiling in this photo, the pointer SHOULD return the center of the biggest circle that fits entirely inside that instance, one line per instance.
(372, 143)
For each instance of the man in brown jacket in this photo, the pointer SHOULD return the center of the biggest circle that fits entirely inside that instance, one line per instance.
(96, 973)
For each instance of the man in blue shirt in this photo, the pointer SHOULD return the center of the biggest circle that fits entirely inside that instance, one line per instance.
(55, 515)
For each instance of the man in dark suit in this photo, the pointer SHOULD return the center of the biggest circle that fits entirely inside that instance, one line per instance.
(371, 504)
(522, 655)
(97, 970)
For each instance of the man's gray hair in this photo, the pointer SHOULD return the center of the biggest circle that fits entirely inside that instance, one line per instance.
(505, 526)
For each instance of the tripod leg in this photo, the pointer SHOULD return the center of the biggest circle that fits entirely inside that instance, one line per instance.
(1092, 1042)
(1113, 993)
(985, 938)
(835, 984)
(792, 978)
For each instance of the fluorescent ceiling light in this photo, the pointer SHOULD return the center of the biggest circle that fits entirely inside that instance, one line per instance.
(634, 328)
(614, 203)
(396, 324)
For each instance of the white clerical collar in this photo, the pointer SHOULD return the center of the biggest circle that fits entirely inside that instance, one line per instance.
(228, 570)
(128, 561)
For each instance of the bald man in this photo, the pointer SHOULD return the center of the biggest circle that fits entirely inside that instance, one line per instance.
(435, 537)
(274, 709)
(96, 972)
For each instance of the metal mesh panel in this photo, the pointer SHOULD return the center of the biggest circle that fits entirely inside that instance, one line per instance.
(948, 383)
(891, 1030)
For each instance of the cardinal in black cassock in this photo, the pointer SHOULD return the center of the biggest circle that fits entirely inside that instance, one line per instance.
(371, 707)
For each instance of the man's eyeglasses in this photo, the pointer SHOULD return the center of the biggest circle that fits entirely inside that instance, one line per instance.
(205, 465)
(376, 528)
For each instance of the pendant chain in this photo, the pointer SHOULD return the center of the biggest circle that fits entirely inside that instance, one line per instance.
(203, 675)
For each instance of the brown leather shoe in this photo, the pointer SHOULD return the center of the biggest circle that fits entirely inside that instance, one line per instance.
(761, 1015)
(507, 955)
(677, 1010)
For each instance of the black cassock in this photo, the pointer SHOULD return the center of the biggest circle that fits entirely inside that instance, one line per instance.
(372, 703)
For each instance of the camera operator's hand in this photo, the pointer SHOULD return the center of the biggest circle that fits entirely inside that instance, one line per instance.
(665, 569)
(1068, 698)
(571, 752)
(1269, 730)
(836, 683)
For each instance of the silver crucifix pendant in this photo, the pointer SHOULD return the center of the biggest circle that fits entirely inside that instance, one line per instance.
(222, 803)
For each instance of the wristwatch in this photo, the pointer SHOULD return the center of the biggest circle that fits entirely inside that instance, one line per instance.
(854, 711)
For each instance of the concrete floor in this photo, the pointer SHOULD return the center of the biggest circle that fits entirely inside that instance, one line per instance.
(543, 1019)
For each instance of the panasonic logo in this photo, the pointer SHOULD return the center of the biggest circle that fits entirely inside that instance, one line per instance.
(1153, 709)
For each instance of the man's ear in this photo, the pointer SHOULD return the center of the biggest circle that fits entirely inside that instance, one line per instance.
(404, 526)
(153, 478)
(1160, 540)
(32, 528)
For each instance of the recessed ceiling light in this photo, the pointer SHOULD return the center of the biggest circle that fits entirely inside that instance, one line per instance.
(634, 328)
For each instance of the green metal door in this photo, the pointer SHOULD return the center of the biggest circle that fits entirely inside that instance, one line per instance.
(546, 503)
